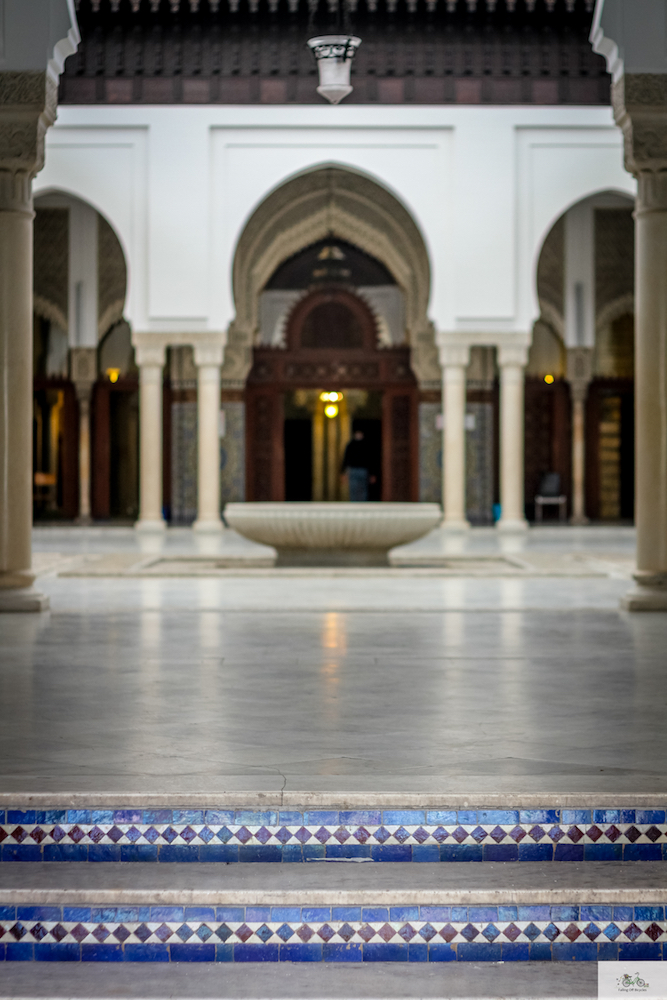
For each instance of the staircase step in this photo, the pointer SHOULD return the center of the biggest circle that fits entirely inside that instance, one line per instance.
(267, 829)
(347, 913)
(324, 981)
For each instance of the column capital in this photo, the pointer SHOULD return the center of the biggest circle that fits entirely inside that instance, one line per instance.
(149, 355)
(579, 371)
(27, 109)
(83, 370)
(208, 354)
(639, 101)
(454, 355)
(512, 355)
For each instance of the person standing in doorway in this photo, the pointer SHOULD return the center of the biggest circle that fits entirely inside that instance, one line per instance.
(356, 463)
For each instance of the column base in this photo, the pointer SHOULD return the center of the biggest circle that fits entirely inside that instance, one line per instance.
(207, 527)
(26, 599)
(579, 521)
(505, 525)
(150, 527)
(454, 526)
(650, 594)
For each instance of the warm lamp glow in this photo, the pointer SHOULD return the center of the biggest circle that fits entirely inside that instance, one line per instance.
(331, 410)
(331, 397)
(113, 374)
(548, 379)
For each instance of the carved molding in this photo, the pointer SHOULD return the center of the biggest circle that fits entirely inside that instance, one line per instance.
(49, 310)
(27, 109)
(639, 101)
(323, 202)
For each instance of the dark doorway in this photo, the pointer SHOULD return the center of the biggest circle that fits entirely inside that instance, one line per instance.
(298, 459)
(372, 431)
(124, 455)
(627, 462)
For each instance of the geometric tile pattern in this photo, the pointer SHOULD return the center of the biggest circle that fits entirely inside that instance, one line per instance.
(405, 933)
(301, 835)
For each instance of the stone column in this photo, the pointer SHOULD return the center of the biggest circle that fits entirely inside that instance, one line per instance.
(454, 360)
(83, 372)
(208, 360)
(512, 361)
(579, 369)
(150, 361)
(27, 108)
(640, 108)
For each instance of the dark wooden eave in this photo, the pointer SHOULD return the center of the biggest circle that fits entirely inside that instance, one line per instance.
(413, 51)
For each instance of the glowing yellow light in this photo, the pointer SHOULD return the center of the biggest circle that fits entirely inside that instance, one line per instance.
(331, 397)
(331, 410)
(548, 379)
(113, 374)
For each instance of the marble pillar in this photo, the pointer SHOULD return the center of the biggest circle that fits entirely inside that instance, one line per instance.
(511, 362)
(150, 361)
(28, 108)
(83, 372)
(208, 360)
(579, 372)
(640, 108)
(454, 360)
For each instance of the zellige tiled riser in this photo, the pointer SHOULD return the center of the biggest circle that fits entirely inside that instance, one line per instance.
(382, 835)
(334, 934)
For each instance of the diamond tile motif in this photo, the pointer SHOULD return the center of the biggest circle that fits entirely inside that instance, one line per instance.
(191, 932)
(160, 830)
(79, 933)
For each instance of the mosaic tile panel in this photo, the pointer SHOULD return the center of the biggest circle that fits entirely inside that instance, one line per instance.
(292, 836)
(344, 934)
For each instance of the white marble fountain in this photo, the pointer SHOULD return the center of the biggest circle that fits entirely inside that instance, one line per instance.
(314, 532)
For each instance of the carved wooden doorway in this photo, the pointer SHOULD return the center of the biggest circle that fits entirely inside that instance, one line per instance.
(331, 347)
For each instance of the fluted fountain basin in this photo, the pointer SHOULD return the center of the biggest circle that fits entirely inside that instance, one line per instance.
(330, 533)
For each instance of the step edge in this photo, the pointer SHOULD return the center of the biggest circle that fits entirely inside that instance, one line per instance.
(333, 897)
(334, 800)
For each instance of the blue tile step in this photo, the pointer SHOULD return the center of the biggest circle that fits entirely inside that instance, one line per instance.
(351, 913)
(44, 829)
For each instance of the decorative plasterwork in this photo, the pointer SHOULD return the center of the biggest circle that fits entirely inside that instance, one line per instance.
(329, 201)
(639, 101)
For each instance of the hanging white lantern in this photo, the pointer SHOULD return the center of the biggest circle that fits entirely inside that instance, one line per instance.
(334, 54)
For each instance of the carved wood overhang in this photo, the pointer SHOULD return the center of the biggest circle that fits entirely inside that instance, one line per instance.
(254, 52)
(326, 369)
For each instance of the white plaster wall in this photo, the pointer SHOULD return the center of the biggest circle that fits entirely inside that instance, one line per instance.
(483, 184)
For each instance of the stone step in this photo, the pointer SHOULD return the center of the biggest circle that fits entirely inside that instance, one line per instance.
(274, 828)
(333, 912)
(324, 981)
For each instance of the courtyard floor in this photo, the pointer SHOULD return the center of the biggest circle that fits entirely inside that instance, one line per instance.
(508, 669)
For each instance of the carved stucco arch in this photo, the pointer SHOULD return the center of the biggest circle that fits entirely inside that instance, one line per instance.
(327, 200)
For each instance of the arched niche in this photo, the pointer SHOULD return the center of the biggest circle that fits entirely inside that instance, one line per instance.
(327, 201)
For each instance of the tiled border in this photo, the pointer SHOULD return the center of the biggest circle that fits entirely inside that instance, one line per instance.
(228, 835)
(334, 934)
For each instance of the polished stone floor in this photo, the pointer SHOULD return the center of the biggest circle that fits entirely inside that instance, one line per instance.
(362, 680)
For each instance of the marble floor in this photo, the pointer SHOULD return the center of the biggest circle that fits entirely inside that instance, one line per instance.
(382, 680)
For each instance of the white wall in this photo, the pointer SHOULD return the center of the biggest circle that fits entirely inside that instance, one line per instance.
(483, 184)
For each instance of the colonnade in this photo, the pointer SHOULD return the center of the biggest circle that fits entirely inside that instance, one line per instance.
(454, 360)
(150, 359)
